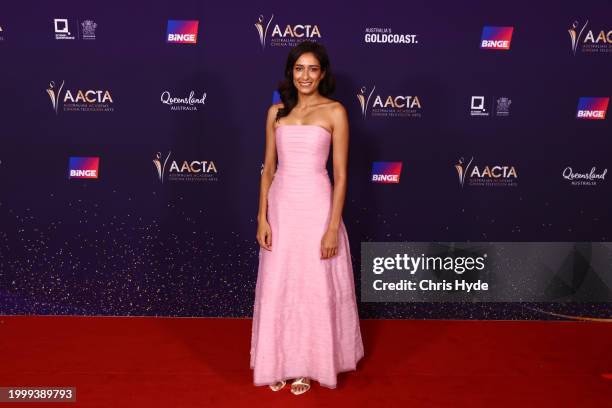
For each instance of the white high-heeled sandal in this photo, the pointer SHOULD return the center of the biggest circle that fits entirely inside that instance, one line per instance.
(278, 386)
(300, 381)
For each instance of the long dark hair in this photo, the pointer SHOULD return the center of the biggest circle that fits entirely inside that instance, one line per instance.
(288, 91)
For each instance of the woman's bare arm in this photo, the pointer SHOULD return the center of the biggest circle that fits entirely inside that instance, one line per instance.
(340, 146)
(269, 164)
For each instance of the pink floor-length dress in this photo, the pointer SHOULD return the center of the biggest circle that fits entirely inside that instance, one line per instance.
(305, 319)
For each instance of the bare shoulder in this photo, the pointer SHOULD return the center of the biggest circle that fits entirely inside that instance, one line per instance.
(338, 113)
(274, 108)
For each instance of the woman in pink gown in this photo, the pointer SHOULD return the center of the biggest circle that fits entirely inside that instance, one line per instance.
(305, 319)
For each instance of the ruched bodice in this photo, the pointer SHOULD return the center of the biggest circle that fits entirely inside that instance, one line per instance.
(302, 149)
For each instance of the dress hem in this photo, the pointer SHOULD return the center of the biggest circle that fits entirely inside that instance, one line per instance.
(312, 378)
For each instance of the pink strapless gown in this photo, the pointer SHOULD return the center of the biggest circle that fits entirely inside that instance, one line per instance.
(305, 320)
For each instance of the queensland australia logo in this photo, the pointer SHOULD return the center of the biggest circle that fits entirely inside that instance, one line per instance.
(190, 102)
(182, 31)
(79, 100)
(498, 175)
(285, 35)
(485, 106)
(584, 178)
(496, 38)
(88, 30)
(386, 172)
(184, 170)
(379, 35)
(588, 40)
(73, 29)
(388, 105)
(593, 108)
(83, 167)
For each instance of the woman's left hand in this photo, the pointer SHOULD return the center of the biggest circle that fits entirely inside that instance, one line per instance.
(329, 244)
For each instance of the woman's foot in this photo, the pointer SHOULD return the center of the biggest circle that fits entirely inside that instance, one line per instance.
(277, 386)
(300, 385)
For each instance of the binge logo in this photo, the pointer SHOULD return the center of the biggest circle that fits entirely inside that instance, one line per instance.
(182, 31)
(496, 38)
(386, 172)
(83, 167)
(592, 108)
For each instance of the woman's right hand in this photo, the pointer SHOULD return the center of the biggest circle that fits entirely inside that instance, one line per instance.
(264, 235)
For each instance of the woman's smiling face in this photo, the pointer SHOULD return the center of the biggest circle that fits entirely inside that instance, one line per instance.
(307, 73)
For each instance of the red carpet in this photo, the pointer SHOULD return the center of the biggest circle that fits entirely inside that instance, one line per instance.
(188, 362)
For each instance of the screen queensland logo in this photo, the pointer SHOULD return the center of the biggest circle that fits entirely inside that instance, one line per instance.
(182, 32)
(488, 175)
(486, 106)
(587, 39)
(83, 167)
(388, 104)
(284, 34)
(184, 170)
(64, 99)
(496, 38)
(593, 108)
(386, 172)
(74, 29)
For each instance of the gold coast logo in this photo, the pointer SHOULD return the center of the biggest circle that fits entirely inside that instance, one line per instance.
(380, 35)
(184, 170)
(386, 105)
(79, 100)
(589, 41)
(284, 35)
(485, 176)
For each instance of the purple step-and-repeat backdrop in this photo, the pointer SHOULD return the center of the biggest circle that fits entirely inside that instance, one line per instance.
(133, 138)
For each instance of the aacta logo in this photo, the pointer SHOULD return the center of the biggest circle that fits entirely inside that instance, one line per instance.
(386, 172)
(487, 176)
(589, 41)
(388, 105)
(78, 100)
(187, 170)
(496, 38)
(290, 36)
(83, 167)
(592, 108)
(182, 31)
